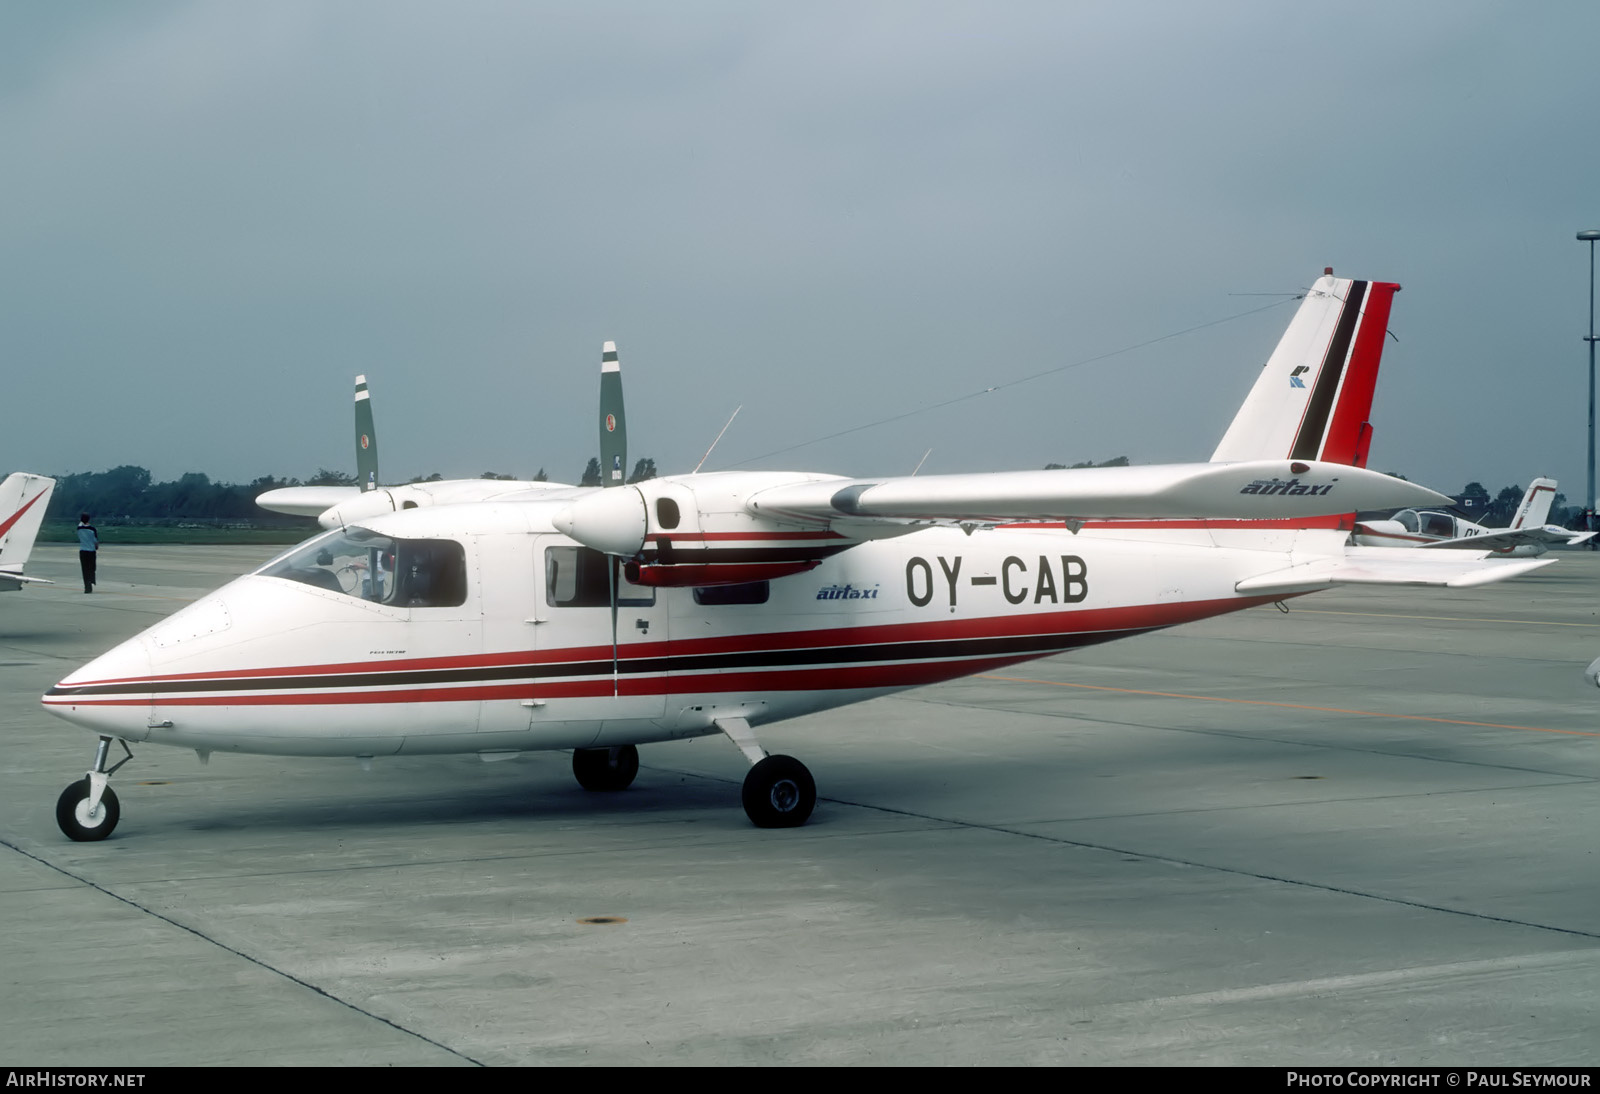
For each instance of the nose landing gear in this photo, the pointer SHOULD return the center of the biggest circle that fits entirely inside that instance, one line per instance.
(88, 809)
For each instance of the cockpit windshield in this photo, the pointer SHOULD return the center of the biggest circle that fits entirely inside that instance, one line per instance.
(404, 573)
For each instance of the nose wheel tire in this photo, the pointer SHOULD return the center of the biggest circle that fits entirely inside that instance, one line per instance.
(75, 819)
(605, 768)
(779, 793)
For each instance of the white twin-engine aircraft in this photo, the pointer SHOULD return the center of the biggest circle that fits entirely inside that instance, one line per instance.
(1527, 536)
(601, 619)
(23, 500)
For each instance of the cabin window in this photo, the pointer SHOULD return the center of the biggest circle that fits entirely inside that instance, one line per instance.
(749, 592)
(667, 514)
(403, 573)
(576, 577)
(1408, 520)
(1438, 524)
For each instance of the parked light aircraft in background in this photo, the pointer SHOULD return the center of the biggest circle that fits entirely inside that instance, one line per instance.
(604, 618)
(1527, 536)
(23, 500)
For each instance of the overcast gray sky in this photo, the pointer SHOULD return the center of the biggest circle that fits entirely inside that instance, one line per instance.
(216, 214)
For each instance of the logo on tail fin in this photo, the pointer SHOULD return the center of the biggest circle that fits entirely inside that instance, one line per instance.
(1294, 377)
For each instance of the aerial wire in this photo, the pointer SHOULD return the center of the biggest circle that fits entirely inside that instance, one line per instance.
(1013, 383)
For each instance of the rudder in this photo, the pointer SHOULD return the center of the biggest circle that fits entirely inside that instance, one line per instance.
(1313, 398)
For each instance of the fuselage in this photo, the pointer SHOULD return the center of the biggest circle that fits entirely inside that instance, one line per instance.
(479, 628)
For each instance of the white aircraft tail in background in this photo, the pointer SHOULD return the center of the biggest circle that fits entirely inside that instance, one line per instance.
(23, 499)
(1527, 536)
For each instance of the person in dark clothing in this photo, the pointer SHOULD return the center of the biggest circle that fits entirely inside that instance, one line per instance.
(88, 546)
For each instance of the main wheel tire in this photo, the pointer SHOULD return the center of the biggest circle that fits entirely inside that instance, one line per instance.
(779, 793)
(74, 818)
(605, 768)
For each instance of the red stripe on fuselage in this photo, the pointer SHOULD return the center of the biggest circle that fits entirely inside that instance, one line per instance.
(1043, 625)
(911, 674)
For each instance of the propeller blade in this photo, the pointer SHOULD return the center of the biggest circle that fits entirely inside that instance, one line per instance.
(613, 420)
(366, 438)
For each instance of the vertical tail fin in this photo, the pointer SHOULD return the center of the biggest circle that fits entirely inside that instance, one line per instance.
(1314, 396)
(1535, 507)
(23, 498)
(366, 438)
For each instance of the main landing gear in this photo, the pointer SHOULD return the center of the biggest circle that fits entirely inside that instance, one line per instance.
(778, 792)
(88, 809)
(605, 768)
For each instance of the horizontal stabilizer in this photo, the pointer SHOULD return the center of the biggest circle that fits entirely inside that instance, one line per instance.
(11, 581)
(306, 501)
(1258, 490)
(1382, 566)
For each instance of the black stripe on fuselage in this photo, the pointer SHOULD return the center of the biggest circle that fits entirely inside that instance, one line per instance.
(1308, 444)
(676, 554)
(892, 652)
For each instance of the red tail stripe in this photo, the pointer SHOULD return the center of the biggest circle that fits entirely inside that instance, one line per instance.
(1345, 442)
(14, 517)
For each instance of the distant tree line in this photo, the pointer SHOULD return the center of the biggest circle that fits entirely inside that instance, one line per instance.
(128, 494)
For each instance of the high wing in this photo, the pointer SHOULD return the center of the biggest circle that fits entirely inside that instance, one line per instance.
(1258, 489)
(23, 500)
(306, 501)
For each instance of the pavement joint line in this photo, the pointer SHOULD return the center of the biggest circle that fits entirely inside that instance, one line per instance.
(1297, 804)
(1445, 618)
(1360, 981)
(289, 976)
(1291, 706)
(1079, 717)
(1236, 871)
(1363, 646)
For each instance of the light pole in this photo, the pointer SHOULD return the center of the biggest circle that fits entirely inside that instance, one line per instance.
(1589, 237)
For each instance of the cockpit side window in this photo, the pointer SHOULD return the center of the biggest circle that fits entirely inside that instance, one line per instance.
(404, 573)
(1438, 524)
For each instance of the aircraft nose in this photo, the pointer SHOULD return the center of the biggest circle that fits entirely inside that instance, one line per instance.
(110, 695)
